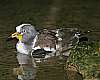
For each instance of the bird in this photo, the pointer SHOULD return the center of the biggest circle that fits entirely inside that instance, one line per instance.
(25, 33)
(33, 42)
(80, 37)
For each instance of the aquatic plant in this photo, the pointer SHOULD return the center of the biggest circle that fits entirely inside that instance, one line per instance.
(85, 57)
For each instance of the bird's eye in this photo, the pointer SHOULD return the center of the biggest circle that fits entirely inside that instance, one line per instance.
(24, 31)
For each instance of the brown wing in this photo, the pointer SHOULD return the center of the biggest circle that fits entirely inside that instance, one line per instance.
(45, 39)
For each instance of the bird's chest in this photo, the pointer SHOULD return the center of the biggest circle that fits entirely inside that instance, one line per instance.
(22, 48)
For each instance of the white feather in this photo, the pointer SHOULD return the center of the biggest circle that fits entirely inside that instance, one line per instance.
(21, 48)
(18, 28)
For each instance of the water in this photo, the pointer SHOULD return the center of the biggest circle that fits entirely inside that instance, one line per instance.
(83, 13)
(52, 69)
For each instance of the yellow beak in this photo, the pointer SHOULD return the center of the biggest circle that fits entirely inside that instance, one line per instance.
(17, 35)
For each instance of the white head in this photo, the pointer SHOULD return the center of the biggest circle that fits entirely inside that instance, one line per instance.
(27, 31)
(18, 28)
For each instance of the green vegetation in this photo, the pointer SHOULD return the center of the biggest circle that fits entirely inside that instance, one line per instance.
(86, 57)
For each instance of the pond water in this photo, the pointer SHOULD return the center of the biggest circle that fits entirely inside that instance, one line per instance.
(82, 14)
